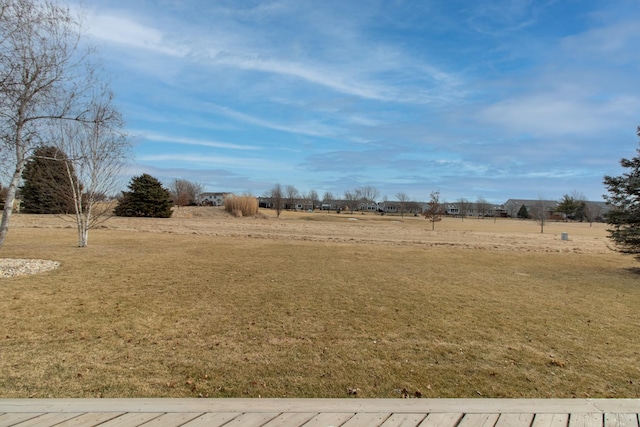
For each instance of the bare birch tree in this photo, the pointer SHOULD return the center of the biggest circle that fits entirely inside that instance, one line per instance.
(44, 76)
(96, 151)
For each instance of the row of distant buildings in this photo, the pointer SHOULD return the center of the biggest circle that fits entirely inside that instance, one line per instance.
(510, 209)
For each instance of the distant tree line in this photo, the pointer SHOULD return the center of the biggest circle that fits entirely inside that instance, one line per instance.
(42, 193)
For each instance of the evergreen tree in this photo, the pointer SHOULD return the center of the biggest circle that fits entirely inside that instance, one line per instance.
(523, 212)
(146, 198)
(624, 199)
(46, 188)
(567, 206)
(573, 207)
(582, 211)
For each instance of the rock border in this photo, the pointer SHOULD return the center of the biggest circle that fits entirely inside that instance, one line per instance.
(11, 267)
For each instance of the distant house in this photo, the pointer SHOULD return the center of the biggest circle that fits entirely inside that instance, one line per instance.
(389, 207)
(367, 207)
(475, 209)
(328, 206)
(286, 204)
(334, 205)
(452, 209)
(212, 199)
(395, 207)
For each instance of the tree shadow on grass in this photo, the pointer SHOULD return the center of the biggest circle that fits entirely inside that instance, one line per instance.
(634, 270)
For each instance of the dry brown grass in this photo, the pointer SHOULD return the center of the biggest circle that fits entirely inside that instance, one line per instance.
(310, 305)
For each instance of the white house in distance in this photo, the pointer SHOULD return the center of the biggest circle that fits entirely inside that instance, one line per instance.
(212, 199)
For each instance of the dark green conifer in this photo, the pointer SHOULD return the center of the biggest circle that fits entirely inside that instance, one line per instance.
(523, 212)
(146, 197)
(46, 188)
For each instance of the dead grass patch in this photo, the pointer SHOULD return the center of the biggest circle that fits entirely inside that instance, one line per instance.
(223, 306)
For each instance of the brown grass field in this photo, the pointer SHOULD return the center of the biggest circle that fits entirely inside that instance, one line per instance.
(313, 304)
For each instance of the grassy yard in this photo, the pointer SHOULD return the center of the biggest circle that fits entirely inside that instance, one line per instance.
(149, 314)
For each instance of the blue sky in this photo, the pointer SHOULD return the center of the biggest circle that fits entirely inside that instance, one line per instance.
(495, 99)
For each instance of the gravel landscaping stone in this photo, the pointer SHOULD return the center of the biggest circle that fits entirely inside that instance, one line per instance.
(10, 267)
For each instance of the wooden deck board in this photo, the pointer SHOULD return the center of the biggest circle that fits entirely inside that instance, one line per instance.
(172, 419)
(404, 420)
(212, 419)
(320, 412)
(367, 419)
(131, 419)
(515, 420)
(469, 406)
(446, 419)
(479, 420)
(90, 419)
(586, 420)
(329, 419)
(550, 420)
(11, 419)
(49, 419)
(621, 420)
(291, 419)
(253, 419)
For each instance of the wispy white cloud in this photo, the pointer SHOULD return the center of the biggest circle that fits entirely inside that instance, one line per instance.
(564, 173)
(555, 114)
(156, 137)
(304, 128)
(126, 31)
(319, 75)
(577, 86)
(200, 160)
(499, 17)
(616, 43)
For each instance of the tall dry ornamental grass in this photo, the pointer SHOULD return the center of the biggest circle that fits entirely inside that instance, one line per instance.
(241, 205)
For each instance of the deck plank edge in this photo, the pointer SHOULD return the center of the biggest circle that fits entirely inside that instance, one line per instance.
(540, 406)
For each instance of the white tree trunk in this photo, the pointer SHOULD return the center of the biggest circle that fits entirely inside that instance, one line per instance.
(83, 227)
(9, 202)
